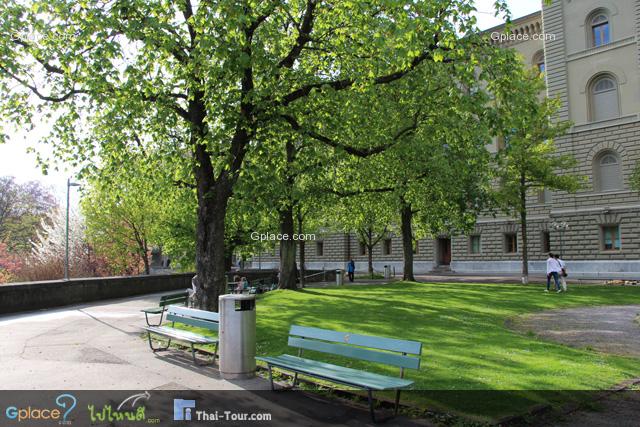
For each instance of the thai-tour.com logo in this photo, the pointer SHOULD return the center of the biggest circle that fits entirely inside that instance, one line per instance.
(58, 412)
(185, 410)
(182, 409)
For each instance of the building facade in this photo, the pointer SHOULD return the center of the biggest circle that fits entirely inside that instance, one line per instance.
(590, 54)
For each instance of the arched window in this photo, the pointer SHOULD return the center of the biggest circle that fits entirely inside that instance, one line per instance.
(600, 30)
(538, 62)
(604, 98)
(607, 172)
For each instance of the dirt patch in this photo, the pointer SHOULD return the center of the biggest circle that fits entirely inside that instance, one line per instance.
(609, 329)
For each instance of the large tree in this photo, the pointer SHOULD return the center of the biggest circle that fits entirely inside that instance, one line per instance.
(219, 72)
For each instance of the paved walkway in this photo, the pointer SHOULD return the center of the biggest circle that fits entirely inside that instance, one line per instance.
(96, 346)
(99, 346)
(497, 278)
(609, 329)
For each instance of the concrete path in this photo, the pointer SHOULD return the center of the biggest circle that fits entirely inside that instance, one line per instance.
(609, 329)
(497, 278)
(97, 346)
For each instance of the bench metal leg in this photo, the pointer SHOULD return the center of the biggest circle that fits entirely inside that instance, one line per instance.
(271, 377)
(157, 348)
(370, 396)
(209, 362)
(146, 317)
(295, 379)
(395, 412)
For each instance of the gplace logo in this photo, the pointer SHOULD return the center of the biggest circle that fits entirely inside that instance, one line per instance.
(65, 401)
(182, 409)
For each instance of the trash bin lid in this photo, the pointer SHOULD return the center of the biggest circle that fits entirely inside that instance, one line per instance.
(237, 297)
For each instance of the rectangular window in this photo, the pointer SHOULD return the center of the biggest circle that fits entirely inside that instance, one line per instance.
(511, 243)
(546, 242)
(474, 244)
(320, 248)
(362, 249)
(601, 34)
(611, 240)
(386, 247)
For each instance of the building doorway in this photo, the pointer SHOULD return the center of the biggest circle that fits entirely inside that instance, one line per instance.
(444, 251)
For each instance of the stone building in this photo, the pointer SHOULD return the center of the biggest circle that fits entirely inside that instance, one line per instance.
(590, 54)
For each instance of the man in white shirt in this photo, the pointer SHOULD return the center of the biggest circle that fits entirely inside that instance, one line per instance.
(553, 268)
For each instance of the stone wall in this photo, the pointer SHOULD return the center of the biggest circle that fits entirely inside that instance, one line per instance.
(16, 297)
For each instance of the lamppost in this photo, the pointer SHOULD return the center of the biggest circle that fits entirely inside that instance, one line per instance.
(560, 226)
(66, 239)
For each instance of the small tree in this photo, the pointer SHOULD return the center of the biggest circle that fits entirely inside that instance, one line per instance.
(635, 179)
(529, 160)
(22, 208)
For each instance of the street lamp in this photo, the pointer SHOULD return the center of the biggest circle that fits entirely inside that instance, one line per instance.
(66, 240)
(560, 226)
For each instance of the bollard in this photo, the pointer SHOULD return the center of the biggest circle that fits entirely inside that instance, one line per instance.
(339, 278)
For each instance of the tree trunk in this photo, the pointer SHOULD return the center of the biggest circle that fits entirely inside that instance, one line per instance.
(288, 268)
(302, 250)
(523, 229)
(145, 258)
(370, 260)
(210, 247)
(406, 215)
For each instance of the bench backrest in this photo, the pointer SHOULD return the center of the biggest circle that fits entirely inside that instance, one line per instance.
(191, 316)
(395, 352)
(176, 298)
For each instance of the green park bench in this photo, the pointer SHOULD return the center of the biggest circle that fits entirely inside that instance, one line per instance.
(399, 353)
(188, 316)
(181, 297)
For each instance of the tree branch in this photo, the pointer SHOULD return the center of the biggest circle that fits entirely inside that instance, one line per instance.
(346, 83)
(35, 91)
(358, 152)
(304, 31)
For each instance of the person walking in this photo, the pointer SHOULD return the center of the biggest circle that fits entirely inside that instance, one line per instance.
(351, 269)
(563, 272)
(553, 268)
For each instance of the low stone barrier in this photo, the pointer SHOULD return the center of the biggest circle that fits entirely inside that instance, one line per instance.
(17, 297)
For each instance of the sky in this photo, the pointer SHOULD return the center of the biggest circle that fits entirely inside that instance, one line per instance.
(16, 162)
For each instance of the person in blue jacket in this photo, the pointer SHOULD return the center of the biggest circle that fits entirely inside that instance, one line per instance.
(351, 269)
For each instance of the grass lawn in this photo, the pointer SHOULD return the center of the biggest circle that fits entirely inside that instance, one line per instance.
(466, 346)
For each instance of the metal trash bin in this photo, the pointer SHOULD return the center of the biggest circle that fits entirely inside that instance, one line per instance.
(339, 277)
(387, 272)
(237, 336)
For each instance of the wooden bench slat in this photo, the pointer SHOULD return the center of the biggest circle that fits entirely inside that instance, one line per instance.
(340, 374)
(192, 312)
(380, 343)
(181, 335)
(198, 323)
(356, 352)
